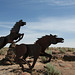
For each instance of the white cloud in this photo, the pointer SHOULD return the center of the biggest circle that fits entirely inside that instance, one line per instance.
(54, 24)
(59, 2)
(5, 28)
(6, 24)
(48, 2)
(59, 26)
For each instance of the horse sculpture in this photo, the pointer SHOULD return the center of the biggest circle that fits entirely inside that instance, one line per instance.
(37, 49)
(14, 34)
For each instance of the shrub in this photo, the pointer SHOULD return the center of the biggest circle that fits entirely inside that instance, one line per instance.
(62, 50)
(49, 51)
(3, 51)
(43, 58)
(71, 50)
(50, 70)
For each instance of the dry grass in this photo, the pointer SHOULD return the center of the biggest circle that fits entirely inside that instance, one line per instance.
(3, 51)
(64, 49)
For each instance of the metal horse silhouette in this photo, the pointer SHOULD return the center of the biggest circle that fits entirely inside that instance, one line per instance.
(37, 49)
(14, 34)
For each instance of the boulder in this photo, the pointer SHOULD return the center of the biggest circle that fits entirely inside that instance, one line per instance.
(69, 57)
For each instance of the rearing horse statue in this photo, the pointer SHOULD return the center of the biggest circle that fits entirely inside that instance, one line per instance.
(14, 34)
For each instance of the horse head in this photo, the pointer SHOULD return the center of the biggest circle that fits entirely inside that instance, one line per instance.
(47, 40)
(54, 39)
(21, 23)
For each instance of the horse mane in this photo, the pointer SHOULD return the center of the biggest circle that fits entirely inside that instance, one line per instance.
(45, 38)
(16, 27)
(44, 41)
(41, 39)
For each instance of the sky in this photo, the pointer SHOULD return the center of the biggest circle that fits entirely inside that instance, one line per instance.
(43, 17)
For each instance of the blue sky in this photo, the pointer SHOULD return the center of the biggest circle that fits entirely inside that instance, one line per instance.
(43, 17)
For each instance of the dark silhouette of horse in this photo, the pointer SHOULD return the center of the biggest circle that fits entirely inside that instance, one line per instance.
(14, 34)
(37, 49)
(3, 41)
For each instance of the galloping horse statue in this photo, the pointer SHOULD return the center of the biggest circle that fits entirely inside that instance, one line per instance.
(37, 49)
(14, 34)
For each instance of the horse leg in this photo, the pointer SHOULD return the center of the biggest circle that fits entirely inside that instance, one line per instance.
(47, 55)
(25, 56)
(19, 62)
(19, 37)
(35, 59)
(27, 63)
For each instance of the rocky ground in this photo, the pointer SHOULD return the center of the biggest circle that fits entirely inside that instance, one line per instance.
(64, 62)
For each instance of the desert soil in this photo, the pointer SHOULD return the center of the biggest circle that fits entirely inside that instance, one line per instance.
(65, 67)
